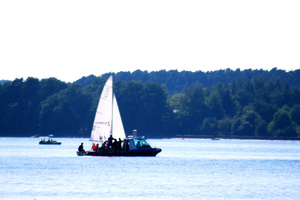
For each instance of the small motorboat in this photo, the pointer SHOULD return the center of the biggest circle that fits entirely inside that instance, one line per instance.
(49, 142)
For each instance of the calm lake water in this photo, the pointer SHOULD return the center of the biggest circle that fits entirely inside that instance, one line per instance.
(185, 169)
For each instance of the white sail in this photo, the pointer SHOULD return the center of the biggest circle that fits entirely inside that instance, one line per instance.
(118, 129)
(102, 123)
(107, 119)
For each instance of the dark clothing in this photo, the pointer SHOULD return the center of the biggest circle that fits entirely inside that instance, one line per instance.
(119, 143)
(110, 140)
(80, 148)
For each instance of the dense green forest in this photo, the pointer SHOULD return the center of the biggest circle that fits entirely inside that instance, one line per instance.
(222, 104)
(175, 81)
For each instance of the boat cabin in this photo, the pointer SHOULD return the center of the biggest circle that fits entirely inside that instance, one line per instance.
(135, 143)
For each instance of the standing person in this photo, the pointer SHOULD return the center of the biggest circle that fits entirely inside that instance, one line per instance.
(119, 143)
(115, 145)
(110, 140)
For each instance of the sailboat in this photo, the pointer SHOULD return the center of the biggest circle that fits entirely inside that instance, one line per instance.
(108, 129)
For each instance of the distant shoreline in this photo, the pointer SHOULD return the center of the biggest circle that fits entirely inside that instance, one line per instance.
(209, 137)
(237, 139)
(190, 137)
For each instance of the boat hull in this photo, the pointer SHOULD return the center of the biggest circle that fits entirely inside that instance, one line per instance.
(135, 152)
(50, 143)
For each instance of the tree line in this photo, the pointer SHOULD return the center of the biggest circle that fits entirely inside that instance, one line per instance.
(175, 81)
(246, 107)
(241, 109)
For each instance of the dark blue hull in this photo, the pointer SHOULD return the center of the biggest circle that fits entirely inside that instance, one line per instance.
(50, 143)
(135, 152)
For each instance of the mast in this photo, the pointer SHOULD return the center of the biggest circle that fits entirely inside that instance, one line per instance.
(112, 105)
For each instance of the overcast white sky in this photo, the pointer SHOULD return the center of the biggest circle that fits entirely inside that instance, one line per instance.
(68, 39)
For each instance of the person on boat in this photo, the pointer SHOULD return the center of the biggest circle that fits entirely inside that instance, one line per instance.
(80, 148)
(105, 145)
(114, 145)
(119, 144)
(139, 145)
(126, 145)
(110, 141)
(94, 147)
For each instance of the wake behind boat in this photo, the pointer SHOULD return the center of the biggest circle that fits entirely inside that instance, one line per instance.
(108, 129)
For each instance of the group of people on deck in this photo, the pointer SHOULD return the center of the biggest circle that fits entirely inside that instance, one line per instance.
(111, 144)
